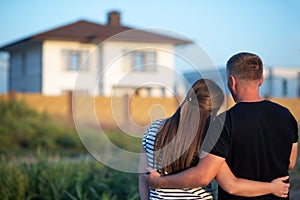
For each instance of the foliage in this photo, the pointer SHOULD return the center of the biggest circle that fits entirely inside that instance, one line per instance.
(28, 174)
(55, 178)
(125, 141)
(35, 175)
(22, 128)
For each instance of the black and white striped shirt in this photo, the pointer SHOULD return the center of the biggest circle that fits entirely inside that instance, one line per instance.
(186, 193)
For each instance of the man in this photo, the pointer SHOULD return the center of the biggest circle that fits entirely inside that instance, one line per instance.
(258, 140)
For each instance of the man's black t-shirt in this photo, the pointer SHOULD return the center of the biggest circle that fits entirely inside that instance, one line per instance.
(256, 140)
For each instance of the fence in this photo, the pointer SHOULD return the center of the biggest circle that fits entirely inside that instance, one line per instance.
(110, 112)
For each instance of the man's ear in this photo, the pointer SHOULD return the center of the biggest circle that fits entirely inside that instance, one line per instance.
(231, 81)
(261, 80)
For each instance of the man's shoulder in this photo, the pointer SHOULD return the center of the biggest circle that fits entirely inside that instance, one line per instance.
(265, 103)
(275, 105)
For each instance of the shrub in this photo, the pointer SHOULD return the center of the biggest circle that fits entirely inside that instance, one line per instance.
(50, 177)
(22, 128)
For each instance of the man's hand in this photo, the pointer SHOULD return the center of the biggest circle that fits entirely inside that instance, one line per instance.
(198, 176)
(152, 177)
(280, 188)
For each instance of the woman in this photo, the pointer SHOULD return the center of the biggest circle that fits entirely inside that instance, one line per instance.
(174, 144)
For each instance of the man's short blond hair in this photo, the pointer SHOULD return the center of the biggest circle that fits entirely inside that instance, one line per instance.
(245, 66)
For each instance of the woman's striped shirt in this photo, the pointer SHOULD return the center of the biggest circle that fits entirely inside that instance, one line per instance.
(190, 193)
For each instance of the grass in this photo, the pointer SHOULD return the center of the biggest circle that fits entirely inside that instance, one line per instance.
(57, 178)
(41, 159)
(24, 129)
(125, 141)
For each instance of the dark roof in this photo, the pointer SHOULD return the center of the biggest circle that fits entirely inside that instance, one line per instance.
(89, 32)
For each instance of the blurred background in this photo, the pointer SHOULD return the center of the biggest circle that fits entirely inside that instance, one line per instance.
(269, 28)
(51, 61)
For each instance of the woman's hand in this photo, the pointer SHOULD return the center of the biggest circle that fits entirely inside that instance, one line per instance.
(280, 188)
(152, 177)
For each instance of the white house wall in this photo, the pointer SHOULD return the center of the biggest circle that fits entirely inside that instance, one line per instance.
(115, 75)
(278, 81)
(57, 79)
(274, 82)
(3, 75)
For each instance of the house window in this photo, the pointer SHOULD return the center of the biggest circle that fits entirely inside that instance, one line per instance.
(141, 61)
(149, 90)
(284, 87)
(75, 60)
(23, 64)
(163, 91)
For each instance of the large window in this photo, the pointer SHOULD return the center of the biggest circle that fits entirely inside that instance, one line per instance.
(142, 61)
(74, 59)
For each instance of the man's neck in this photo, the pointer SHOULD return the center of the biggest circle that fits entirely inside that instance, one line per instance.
(245, 95)
(248, 100)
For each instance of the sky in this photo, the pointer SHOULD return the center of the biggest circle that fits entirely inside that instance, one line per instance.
(269, 28)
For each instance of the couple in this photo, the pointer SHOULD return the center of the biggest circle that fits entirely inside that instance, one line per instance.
(248, 149)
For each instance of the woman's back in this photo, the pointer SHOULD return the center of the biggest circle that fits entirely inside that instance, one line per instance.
(187, 193)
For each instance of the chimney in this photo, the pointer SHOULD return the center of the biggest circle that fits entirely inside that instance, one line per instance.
(113, 18)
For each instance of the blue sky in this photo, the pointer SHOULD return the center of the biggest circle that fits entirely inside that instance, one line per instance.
(270, 28)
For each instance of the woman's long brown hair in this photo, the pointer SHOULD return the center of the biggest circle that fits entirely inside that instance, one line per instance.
(178, 142)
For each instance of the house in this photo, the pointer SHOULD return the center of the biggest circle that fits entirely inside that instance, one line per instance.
(218, 75)
(279, 82)
(94, 59)
(3, 73)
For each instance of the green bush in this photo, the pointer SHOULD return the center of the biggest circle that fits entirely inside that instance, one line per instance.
(22, 128)
(28, 174)
(125, 141)
(50, 177)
